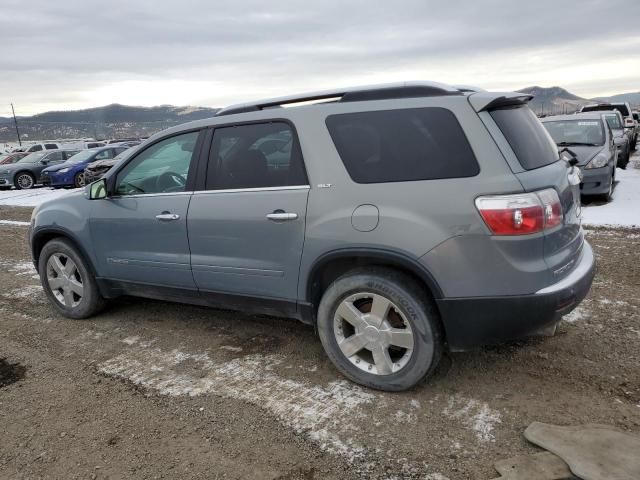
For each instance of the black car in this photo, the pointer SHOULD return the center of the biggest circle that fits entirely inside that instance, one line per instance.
(25, 173)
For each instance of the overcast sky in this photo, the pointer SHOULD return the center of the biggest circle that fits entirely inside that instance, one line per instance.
(69, 54)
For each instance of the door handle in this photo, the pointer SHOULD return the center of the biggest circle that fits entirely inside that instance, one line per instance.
(167, 217)
(280, 216)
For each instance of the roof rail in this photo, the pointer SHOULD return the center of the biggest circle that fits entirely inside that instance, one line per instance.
(352, 94)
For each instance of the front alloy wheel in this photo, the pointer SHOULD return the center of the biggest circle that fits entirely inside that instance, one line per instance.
(24, 181)
(64, 280)
(79, 180)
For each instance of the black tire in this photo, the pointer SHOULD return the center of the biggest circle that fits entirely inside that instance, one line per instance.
(413, 302)
(24, 186)
(606, 197)
(78, 180)
(91, 301)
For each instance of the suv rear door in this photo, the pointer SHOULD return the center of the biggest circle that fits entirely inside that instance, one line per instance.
(534, 159)
(247, 221)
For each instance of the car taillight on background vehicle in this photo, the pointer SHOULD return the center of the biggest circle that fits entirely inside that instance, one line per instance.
(522, 213)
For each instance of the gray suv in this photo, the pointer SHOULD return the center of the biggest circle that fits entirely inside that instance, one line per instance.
(400, 220)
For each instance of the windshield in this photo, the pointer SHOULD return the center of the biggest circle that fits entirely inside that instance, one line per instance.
(614, 122)
(32, 157)
(82, 156)
(576, 132)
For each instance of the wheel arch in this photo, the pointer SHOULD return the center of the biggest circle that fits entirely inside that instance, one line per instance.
(29, 172)
(42, 236)
(331, 265)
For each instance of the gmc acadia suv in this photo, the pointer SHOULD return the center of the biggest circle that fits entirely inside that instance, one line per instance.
(398, 219)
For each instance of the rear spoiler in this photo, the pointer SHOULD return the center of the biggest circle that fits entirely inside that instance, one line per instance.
(484, 101)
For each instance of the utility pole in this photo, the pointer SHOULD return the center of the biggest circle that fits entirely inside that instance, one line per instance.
(16, 123)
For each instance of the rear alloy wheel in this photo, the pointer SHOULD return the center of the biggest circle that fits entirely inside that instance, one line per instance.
(380, 329)
(67, 281)
(78, 180)
(25, 181)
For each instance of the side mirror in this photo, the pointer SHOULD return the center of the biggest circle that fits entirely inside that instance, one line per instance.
(98, 189)
(44, 162)
(629, 123)
(569, 156)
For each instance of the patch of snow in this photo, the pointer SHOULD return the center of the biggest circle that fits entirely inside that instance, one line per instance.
(622, 210)
(28, 291)
(435, 476)
(475, 415)
(131, 340)
(575, 315)
(231, 348)
(32, 197)
(14, 222)
(324, 413)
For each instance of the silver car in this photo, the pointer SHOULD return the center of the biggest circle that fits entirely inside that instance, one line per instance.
(401, 220)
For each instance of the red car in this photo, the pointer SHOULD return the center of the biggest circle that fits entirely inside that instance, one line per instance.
(7, 158)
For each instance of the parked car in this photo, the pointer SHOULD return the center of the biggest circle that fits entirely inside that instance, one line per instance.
(589, 137)
(83, 145)
(8, 158)
(628, 121)
(37, 147)
(621, 136)
(400, 220)
(71, 172)
(24, 173)
(96, 170)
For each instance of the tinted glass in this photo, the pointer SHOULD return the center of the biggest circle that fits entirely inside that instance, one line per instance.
(253, 156)
(528, 139)
(161, 168)
(50, 146)
(614, 121)
(402, 145)
(35, 148)
(55, 157)
(576, 132)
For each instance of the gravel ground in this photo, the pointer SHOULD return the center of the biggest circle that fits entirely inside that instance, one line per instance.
(157, 390)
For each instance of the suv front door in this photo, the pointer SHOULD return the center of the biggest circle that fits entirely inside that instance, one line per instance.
(246, 225)
(140, 230)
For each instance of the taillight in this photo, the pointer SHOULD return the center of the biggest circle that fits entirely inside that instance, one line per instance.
(521, 214)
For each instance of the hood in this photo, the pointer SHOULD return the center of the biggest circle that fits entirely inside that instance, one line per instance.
(12, 167)
(59, 166)
(585, 153)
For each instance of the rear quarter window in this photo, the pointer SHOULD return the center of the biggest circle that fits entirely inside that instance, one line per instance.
(528, 139)
(402, 145)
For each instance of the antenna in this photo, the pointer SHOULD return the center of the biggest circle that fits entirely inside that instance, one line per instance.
(16, 123)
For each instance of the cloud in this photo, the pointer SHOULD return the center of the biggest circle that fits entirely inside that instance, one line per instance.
(74, 54)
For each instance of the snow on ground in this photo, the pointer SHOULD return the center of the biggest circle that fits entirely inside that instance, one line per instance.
(624, 209)
(30, 198)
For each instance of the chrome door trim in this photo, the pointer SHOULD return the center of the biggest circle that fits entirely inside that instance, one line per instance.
(249, 190)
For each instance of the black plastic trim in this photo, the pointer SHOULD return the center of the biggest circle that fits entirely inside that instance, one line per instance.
(397, 92)
(388, 256)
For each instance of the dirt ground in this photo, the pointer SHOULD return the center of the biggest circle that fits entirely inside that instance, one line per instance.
(157, 390)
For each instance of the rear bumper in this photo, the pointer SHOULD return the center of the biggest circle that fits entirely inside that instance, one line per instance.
(473, 322)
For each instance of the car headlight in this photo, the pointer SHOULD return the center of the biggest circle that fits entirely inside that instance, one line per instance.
(64, 170)
(598, 161)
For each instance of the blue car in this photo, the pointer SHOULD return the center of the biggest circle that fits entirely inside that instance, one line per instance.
(71, 172)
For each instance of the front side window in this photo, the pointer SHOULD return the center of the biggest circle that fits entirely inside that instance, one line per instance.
(254, 156)
(576, 132)
(55, 157)
(402, 145)
(35, 148)
(161, 168)
(614, 122)
(50, 146)
(103, 155)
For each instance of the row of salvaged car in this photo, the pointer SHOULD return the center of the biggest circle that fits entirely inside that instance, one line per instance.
(601, 137)
(59, 165)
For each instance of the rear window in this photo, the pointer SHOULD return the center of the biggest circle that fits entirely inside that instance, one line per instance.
(528, 139)
(402, 145)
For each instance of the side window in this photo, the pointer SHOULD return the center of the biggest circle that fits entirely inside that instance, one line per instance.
(161, 168)
(70, 153)
(50, 146)
(402, 145)
(35, 148)
(55, 157)
(254, 156)
(103, 155)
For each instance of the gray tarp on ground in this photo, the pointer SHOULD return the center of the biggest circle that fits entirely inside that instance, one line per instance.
(593, 452)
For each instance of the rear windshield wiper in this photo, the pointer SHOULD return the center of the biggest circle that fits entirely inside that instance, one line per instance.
(568, 144)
